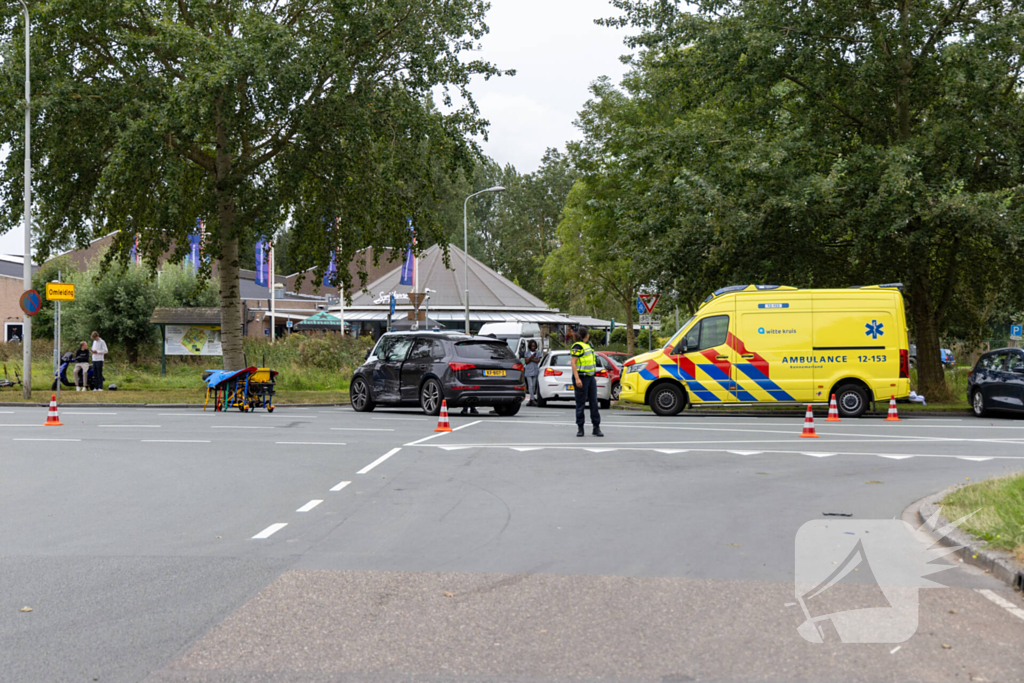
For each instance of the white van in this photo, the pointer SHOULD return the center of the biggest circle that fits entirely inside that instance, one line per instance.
(516, 335)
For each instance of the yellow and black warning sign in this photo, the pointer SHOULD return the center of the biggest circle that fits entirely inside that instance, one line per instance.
(60, 291)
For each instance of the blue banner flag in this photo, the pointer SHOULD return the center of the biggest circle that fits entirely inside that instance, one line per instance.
(332, 271)
(262, 264)
(409, 267)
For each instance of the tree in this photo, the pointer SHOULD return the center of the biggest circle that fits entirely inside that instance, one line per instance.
(840, 144)
(245, 112)
(590, 264)
(118, 303)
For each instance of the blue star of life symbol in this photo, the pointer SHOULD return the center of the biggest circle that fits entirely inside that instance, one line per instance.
(874, 329)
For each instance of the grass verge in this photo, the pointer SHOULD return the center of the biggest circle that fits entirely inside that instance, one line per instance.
(1000, 516)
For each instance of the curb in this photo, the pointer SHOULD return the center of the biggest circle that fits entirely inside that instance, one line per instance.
(785, 412)
(998, 563)
(76, 406)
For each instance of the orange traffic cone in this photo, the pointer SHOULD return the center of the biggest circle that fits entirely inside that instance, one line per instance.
(809, 432)
(833, 411)
(52, 420)
(442, 420)
(893, 415)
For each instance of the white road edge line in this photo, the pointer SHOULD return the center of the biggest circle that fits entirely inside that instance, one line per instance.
(46, 439)
(434, 436)
(1003, 602)
(309, 506)
(270, 530)
(173, 441)
(378, 461)
(340, 485)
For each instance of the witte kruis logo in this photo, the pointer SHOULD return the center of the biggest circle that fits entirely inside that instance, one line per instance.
(888, 553)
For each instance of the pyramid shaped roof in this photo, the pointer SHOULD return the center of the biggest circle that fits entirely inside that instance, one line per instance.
(487, 289)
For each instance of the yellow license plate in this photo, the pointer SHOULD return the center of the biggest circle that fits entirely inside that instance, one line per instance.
(494, 373)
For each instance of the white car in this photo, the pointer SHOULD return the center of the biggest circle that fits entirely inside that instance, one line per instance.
(555, 382)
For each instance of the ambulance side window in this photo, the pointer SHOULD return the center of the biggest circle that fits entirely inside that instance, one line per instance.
(713, 331)
(706, 334)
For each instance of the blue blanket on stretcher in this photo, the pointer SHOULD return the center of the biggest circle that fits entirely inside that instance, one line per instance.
(215, 378)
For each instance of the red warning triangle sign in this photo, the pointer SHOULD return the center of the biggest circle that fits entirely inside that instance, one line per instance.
(650, 301)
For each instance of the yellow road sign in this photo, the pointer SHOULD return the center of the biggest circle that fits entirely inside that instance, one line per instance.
(60, 291)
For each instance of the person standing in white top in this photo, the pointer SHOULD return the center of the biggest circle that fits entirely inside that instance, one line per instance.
(99, 352)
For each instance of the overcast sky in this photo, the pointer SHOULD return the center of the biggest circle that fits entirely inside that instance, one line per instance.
(556, 50)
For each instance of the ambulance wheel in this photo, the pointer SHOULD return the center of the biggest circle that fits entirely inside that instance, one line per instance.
(852, 400)
(667, 400)
(978, 404)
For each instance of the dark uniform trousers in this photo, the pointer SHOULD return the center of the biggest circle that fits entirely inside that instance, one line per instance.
(588, 392)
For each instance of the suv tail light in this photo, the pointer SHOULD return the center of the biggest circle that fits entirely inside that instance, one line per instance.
(519, 367)
(551, 372)
(458, 367)
(904, 364)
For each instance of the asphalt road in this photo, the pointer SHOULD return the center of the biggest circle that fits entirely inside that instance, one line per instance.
(324, 545)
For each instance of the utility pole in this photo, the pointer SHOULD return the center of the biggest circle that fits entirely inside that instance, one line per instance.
(26, 329)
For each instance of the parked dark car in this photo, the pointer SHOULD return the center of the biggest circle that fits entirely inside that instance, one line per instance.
(997, 382)
(424, 368)
(945, 356)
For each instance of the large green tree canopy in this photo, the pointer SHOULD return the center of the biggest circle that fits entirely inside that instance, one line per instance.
(249, 113)
(828, 144)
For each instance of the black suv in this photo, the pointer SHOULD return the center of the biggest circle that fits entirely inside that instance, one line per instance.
(997, 382)
(422, 368)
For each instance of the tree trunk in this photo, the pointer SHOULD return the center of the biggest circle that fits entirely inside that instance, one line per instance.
(931, 380)
(230, 306)
(230, 296)
(630, 335)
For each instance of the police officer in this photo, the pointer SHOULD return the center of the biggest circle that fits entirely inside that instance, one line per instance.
(584, 367)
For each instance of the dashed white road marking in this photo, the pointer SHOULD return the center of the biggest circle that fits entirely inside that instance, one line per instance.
(240, 427)
(1003, 602)
(130, 426)
(378, 461)
(340, 485)
(733, 452)
(819, 455)
(46, 439)
(309, 443)
(972, 458)
(309, 506)
(270, 530)
(174, 441)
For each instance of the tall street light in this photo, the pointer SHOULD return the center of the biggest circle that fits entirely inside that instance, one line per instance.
(465, 238)
(26, 327)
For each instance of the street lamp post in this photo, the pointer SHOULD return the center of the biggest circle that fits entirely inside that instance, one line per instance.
(26, 327)
(465, 239)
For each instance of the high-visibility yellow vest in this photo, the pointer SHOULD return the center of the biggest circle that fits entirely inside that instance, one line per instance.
(586, 358)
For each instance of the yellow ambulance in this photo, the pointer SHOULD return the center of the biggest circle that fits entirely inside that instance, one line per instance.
(774, 344)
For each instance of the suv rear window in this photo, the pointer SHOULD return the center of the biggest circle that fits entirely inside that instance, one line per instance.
(484, 351)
